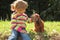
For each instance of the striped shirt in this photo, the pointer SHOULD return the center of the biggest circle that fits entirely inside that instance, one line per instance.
(18, 21)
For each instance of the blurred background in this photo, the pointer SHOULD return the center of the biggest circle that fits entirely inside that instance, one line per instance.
(49, 10)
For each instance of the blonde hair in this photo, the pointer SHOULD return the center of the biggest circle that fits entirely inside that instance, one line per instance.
(19, 4)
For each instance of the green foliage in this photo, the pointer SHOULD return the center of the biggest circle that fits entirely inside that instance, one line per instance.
(48, 9)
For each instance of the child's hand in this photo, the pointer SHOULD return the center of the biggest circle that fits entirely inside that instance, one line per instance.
(29, 20)
(23, 31)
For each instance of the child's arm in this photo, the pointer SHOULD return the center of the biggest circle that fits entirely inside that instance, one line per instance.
(13, 21)
(29, 20)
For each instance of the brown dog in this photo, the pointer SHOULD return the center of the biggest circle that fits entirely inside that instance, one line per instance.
(39, 24)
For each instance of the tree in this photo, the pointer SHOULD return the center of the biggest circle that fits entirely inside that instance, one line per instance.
(48, 9)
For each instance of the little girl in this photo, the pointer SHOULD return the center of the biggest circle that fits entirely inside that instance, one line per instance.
(18, 20)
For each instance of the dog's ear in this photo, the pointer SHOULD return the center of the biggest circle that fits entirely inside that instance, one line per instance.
(38, 21)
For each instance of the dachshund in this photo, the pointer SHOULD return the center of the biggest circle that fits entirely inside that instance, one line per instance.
(38, 22)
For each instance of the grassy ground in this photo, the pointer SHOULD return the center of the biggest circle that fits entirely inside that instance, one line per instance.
(52, 26)
(48, 26)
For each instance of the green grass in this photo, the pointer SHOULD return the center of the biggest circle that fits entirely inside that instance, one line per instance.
(48, 26)
(4, 26)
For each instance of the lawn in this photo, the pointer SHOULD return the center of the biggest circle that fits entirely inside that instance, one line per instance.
(49, 26)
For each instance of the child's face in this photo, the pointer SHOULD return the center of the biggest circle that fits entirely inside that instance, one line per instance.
(20, 10)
